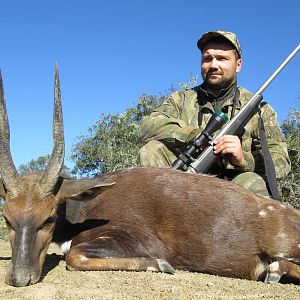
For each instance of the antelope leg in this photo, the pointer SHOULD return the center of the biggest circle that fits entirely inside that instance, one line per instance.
(84, 259)
(282, 267)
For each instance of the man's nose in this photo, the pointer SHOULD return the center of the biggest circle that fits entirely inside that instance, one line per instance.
(214, 64)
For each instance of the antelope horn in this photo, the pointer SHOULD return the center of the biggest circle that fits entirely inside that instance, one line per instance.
(50, 175)
(10, 176)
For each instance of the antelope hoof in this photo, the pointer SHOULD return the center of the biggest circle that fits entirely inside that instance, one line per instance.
(165, 266)
(272, 274)
(272, 278)
(70, 268)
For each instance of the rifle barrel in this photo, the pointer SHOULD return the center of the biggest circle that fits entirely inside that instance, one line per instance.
(278, 70)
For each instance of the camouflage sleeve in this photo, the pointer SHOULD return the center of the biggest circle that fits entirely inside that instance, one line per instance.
(249, 163)
(164, 123)
(276, 143)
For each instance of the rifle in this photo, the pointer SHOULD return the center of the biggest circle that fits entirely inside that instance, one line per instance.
(204, 142)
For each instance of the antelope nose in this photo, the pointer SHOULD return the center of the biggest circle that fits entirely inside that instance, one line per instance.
(18, 280)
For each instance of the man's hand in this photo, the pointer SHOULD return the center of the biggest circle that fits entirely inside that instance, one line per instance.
(230, 146)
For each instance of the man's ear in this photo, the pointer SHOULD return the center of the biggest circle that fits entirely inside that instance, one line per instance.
(239, 64)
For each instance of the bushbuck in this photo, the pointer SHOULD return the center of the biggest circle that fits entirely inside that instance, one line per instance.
(141, 219)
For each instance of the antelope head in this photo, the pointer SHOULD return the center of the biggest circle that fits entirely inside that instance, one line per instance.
(30, 200)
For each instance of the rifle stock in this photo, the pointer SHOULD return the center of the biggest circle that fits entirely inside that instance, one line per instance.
(207, 157)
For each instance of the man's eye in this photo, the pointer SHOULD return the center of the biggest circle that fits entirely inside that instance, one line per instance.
(207, 59)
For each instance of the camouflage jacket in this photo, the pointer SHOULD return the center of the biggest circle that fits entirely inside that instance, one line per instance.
(177, 117)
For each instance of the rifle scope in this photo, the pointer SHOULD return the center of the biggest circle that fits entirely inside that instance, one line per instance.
(216, 121)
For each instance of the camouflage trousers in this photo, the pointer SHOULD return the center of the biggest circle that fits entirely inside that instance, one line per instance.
(156, 154)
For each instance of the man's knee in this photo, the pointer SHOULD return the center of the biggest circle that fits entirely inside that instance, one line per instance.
(156, 154)
(253, 182)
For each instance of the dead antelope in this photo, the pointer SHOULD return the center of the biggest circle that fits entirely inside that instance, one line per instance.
(141, 219)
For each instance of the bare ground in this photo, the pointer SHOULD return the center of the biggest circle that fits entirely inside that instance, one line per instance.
(58, 283)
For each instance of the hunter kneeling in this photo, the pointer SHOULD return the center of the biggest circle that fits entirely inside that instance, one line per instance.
(170, 128)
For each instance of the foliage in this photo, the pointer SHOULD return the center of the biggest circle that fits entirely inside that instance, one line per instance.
(34, 165)
(190, 84)
(112, 143)
(291, 185)
(40, 164)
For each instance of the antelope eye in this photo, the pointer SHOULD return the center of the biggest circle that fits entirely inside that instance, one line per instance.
(48, 222)
(7, 223)
(51, 220)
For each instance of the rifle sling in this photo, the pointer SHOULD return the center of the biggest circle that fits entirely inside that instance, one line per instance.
(268, 162)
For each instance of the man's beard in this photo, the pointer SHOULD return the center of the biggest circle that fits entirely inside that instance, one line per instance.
(218, 85)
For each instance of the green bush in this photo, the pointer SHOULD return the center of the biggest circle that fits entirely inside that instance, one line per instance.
(112, 143)
(291, 185)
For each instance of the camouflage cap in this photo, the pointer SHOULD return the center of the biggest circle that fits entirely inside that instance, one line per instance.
(231, 37)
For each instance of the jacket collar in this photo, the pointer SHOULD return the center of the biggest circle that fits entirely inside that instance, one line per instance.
(208, 100)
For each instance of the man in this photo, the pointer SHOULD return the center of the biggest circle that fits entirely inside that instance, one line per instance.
(171, 127)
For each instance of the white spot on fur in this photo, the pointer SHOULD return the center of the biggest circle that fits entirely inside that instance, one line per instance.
(65, 247)
(262, 213)
(281, 255)
(271, 208)
(283, 206)
(103, 237)
(83, 258)
(151, 269)
(298, 246)
(274, 266)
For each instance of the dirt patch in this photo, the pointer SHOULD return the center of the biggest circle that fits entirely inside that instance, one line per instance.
(58, 283)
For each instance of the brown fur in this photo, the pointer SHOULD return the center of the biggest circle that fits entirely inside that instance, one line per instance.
(156, 219)
(192, 222)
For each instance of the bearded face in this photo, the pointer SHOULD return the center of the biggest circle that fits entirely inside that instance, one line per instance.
(219, 65)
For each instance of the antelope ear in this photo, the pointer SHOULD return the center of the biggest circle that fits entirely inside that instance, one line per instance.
(87, 193)
(92, 192)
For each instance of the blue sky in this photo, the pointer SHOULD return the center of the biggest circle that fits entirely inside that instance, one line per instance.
(110, 52)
